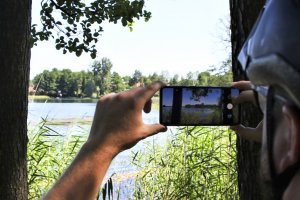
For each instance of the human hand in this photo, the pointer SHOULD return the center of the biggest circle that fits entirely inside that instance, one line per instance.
(248, 133)
(117, 126)
(247, 95)
(118, 123)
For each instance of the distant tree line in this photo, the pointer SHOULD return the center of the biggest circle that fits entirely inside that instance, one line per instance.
(200, 106)
(100, 80)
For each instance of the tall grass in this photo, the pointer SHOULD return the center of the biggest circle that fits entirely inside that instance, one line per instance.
(196, 163)
(49, 153)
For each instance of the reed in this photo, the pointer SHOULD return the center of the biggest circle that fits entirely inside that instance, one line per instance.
(196, 163)
(49, 153)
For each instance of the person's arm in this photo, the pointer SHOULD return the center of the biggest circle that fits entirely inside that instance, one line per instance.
(117, 126)
(247, 95)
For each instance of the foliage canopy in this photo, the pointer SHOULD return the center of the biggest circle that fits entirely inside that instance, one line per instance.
(101, 80)
(76, 26)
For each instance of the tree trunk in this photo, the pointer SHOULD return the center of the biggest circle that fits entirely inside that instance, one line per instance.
(15, 22)
(243, 16)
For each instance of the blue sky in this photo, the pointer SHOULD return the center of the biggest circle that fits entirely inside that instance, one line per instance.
(168, 96)
(181, 36)
(235, 93)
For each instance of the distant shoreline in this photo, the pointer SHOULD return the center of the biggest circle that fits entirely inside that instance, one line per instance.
(66, 121)
(45, 97)
(40, 97)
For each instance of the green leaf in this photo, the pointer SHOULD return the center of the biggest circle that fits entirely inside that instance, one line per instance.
(96, 34)
(58, 46)
(93, 55)
(70, 21)
(79, 52)
(76, 18)
(124, 21)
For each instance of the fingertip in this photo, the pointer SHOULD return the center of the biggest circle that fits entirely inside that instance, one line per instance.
(161, 83)
(149, 91)
(147, 110)
(164, 128)
(153, 129)
(160, 128)
(242, 85)
(148, 106)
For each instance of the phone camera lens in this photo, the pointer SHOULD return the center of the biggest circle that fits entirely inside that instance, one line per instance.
(229, 106)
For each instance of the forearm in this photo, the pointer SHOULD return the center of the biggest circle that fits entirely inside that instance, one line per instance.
(83, 178)
(117, 125)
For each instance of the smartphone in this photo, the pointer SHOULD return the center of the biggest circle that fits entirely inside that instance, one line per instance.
(198, 106)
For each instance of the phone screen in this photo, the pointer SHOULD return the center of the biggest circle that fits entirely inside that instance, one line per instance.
(195, 106)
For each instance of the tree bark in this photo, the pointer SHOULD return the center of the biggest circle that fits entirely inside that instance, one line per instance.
(15, 23)
(243, 16)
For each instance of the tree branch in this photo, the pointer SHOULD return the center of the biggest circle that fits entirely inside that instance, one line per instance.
(61, 8)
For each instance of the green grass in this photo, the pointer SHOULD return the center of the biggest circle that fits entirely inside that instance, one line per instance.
(40, 97)
(49, 153)
(70, 121)
(196, 163)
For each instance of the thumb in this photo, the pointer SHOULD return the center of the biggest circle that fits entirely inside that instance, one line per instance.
(245, 96)
(153, 129)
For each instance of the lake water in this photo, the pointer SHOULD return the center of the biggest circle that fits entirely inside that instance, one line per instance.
(76, 111)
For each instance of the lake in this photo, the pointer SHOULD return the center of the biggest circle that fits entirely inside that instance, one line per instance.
(72, 113)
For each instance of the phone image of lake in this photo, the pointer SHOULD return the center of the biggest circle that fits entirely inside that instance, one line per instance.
(201, 106)
(201, 115)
